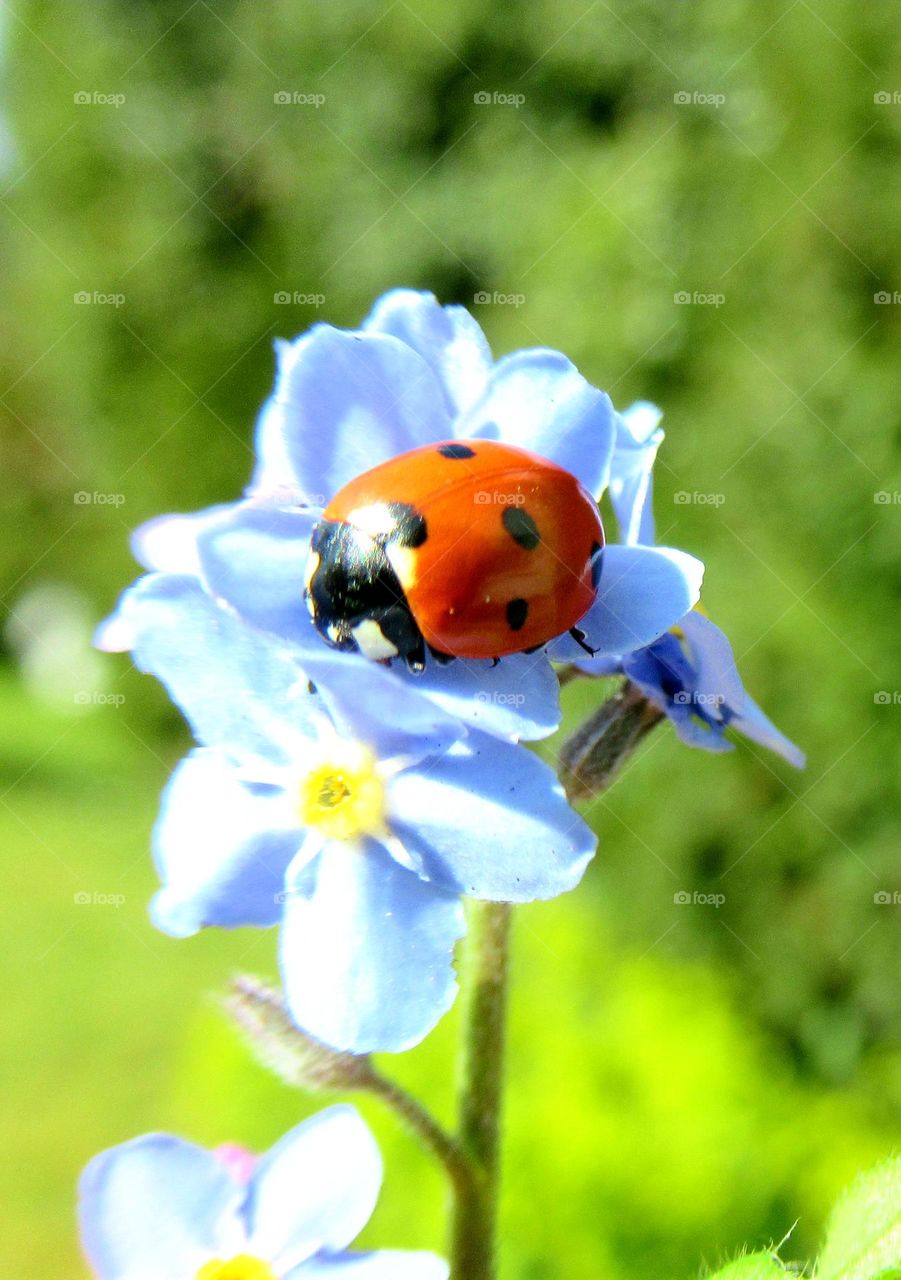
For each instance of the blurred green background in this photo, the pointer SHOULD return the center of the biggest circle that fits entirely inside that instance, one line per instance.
(684, 1079)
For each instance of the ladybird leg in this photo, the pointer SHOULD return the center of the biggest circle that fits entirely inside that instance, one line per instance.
(443, 659)
(415, 658)
(579, 637)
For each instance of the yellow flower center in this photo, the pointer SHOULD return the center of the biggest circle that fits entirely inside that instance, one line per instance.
(242, 1267)
(343, 795)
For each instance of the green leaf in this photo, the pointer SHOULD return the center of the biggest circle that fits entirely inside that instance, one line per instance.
(756, 1266)
(863, 1239)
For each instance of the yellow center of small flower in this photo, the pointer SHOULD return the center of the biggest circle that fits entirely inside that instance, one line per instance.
(343, 795)
(242, 1267)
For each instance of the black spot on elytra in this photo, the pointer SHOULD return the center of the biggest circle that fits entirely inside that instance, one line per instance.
(517, 612)
(521, 528)
(456, 451)
(410, 528)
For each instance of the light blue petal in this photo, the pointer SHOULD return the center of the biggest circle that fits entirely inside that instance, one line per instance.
(695, 731)
(638, 437)
(344, 402)
(643, 592)
(157, 1208)
(518, 698)
(449, 339)
(236, 687)
(254, 558)
(757, 726)
(538, 400)
(222, 849)
(366, 951)
(664, 674)
(718, 678)
(662, 670)
(249, 693)
(168, 544)
(315, 1190)
(717, 681)
(386, 1264)
(490, 820)
(376, 705)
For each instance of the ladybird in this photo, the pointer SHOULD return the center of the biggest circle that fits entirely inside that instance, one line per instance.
(472, 549)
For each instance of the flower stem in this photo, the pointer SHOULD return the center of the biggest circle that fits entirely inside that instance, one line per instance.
(484, 982)
(417, 1118)
(593, 756)
(259, 1011)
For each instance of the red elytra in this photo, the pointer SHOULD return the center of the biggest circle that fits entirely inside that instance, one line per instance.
(496, 549)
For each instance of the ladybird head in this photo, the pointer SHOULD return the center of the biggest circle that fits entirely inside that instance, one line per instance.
(354, 595)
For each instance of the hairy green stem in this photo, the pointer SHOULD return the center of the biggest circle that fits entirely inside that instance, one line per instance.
(259, 1011)
(416, 1117)
(484, 982)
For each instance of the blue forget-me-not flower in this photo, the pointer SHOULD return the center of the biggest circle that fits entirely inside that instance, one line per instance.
(160, 1208)
(342, 804)
(417, 373)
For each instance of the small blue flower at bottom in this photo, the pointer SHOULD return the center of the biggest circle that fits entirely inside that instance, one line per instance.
(160, 1208)
(690, 674)
(352, 811)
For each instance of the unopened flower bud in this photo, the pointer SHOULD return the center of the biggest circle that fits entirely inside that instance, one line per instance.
(260, 1012)
(240, 1162)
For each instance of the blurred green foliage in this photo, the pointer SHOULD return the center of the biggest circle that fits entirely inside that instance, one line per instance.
(685, 1079)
